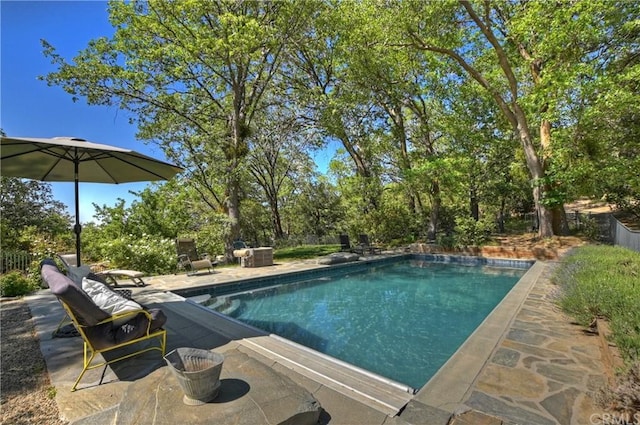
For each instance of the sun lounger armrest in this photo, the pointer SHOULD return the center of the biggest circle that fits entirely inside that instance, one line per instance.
(183, 261)
(137, 324)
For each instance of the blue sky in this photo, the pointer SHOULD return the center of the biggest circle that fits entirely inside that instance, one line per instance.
(30, 108)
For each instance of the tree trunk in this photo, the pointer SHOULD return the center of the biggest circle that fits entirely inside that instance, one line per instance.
(501, 216)
(413, 198)
(419, 206)
(277, 222)
(415, 203)
(232, 205)
(559, 221)
(509, 106)
(558, 215)
(436, 202)
(545, 228)
(234, 153)
(474, 207)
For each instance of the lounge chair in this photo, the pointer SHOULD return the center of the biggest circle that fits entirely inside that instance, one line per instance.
(104, 319)
(68, 260)
(110, 276)
(366, 246)
(70, 264)
(240, 244)
(345, 245)
(188, 258)
(241, 250)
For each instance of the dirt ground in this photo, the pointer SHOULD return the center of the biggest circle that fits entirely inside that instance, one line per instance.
(26, 394)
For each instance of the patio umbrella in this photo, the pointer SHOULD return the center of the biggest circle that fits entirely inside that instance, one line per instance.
(66, 159)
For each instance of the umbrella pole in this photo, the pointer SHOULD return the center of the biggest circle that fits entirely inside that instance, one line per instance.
(77, 229)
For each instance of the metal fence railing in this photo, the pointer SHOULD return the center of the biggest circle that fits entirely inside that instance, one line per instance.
(15, 260)
(623, 236)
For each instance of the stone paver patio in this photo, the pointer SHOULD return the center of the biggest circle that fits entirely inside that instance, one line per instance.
(545, 371)
(539, 368)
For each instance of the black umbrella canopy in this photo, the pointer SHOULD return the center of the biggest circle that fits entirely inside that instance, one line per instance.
(72, 159)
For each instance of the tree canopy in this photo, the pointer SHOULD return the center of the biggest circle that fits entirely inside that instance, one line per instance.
(441, 110)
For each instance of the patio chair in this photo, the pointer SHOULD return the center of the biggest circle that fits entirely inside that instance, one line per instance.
(70, 264)
(188, 258)
(366, 246)
(240, 244)
(345, 245)
(69, 261)
(111, 274)
(240, 250)
(105, 320)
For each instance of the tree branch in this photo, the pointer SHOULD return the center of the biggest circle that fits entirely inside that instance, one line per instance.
(503, 60)
(475, 74)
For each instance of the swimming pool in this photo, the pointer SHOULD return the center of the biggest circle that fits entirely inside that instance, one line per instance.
(401, 320)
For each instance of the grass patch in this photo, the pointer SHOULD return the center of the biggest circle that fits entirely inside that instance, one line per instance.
(304, 252)
(52, 392)
(604, 281)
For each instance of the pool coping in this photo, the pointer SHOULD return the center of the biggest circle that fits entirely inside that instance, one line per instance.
(445, 392)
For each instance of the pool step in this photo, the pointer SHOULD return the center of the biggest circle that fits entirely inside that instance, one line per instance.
(222, 305)
(286, 355)
(377, 392)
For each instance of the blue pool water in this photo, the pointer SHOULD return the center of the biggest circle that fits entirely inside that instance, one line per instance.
(402, 321)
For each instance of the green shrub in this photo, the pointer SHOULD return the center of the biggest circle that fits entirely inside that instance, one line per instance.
(590, 229)
(470, 232)
(446, 241)
(149, 254)
(604, 281)
(15, 284)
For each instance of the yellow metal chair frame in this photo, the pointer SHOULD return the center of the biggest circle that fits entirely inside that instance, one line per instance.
(90, 351)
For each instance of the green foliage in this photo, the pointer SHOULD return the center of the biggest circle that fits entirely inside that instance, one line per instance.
(194, 76)
(163, 210)
(44, 245)
(255, 223)
(51, 393)
(447, 241)
(211, 235)
(147, 253)
(590, 228)
(315, 209)
(604, 281)
(29, 204)
(94, 240)
(428, 113)
(469, 232)
(392, 221)
(15, 284)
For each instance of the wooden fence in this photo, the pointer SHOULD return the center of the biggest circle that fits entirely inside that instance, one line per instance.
(623, 236)
(15, 260)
